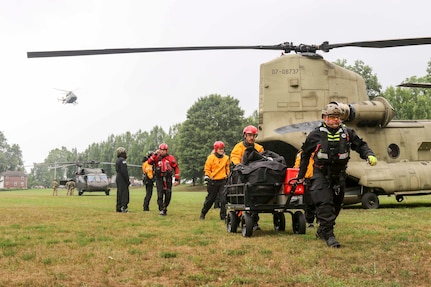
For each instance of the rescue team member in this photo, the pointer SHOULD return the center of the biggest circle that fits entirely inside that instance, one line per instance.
(216, 170)
(310, 208)
(249, 133)
(148, 180)
(331, 143)
(122, 180)
(165, 167)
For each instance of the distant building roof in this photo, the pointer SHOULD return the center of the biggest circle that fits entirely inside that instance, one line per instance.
(13, 173)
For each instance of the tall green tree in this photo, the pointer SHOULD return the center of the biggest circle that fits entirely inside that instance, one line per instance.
(10, 156)
(410, 103)
(374, 88)
(253, 119)
(209, 119)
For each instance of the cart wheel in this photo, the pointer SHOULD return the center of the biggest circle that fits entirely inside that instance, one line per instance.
(232, 222)
(298, 223)
(247, 224)
(279, 221)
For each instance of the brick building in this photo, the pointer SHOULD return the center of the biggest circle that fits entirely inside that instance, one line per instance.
(13, 180)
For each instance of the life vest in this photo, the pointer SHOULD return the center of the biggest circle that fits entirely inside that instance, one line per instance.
(163, 167)
(333, 149)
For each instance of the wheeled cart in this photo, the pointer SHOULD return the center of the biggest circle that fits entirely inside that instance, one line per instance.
(245, 199)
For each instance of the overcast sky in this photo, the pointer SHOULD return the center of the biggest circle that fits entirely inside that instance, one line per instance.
(119, 93)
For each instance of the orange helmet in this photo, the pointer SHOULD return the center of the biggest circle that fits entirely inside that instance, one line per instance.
(218, 144)
(163, 146)
(250, 130)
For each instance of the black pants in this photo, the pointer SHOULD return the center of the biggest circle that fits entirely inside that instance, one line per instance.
(328, 201)
(149, 185)
(215, 189)
(310, 208)
(164, 192)
(122, 195)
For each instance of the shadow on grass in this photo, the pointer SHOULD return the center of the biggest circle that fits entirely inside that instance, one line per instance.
(393, 205)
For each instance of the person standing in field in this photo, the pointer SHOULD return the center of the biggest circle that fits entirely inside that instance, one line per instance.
(330, 144)
(148, 180)
(54, 185)
(122, 180)
(216, 171)
(165, 168)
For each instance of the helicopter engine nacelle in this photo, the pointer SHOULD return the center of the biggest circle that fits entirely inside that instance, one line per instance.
(378, 112)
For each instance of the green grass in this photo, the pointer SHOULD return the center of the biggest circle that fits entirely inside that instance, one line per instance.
(82, 241)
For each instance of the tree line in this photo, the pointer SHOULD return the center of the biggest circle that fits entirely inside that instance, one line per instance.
(210, 118)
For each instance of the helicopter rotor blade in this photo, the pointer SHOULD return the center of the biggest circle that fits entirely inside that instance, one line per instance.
(416, 85)
(67, 53)
(286, 47)
(61, 90)
(378, 44)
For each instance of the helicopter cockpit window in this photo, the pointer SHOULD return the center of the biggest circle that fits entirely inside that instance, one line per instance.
(91, 178)
(393, 151)
(103, 178)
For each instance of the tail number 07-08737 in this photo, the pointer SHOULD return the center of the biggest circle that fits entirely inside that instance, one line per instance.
(284, 71)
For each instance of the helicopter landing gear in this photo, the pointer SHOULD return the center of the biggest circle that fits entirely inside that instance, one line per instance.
(107, 192)
(370, 200)
(399, 198)
(80, 192)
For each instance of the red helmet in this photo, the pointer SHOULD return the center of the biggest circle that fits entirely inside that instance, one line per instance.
(218, 144)
(250, 130)
(163, 146)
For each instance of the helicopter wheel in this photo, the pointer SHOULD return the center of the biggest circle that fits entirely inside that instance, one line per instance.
(370, 200)
(80, 192)
(107, 192)
(399, 198)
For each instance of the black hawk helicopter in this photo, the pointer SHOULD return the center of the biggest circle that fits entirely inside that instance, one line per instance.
(293, 90)
(69, 98)
(87, 179)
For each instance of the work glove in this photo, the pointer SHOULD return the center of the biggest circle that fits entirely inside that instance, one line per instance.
(372, 160)
(206, 179)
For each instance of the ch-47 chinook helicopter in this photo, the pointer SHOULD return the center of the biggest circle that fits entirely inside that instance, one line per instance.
(293, 90)
(69, 98)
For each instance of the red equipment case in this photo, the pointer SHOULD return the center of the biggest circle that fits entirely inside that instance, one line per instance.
(291, 174)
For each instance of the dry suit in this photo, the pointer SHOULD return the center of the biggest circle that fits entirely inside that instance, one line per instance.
(122, 180)
(331, 149)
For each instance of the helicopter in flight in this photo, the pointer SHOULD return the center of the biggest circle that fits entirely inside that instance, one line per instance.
(69, 98)
(292, 92)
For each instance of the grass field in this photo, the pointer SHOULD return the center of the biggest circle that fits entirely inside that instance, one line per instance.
(82, 241)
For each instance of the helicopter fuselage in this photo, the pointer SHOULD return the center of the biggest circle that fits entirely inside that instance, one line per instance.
(293, 91)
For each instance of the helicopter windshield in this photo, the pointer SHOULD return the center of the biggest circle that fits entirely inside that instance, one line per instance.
(97, 178)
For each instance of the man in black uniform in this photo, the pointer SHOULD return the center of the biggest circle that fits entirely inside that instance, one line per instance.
(122, 180)
(331, 142)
